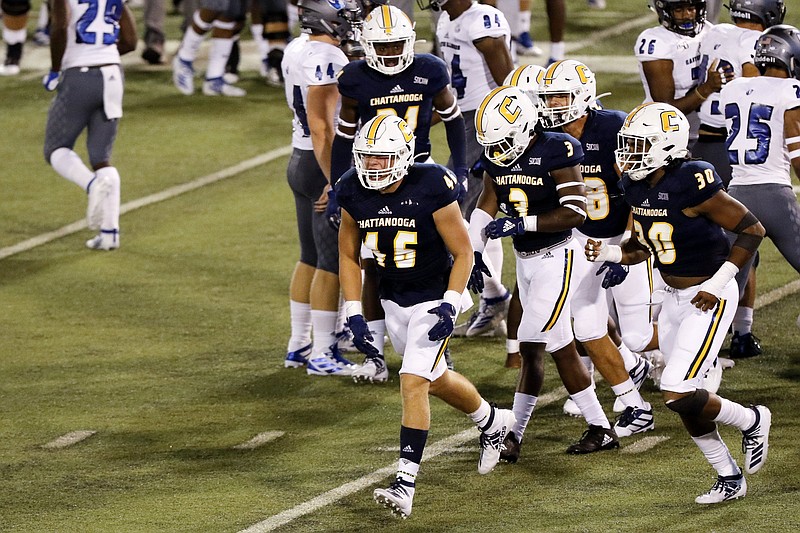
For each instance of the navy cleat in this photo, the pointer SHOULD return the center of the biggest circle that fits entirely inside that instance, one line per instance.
(744, 346)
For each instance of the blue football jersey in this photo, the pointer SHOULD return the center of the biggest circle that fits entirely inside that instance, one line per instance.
(409, 94)
(527, 188)
(681, 245)
(607, 212)
(413, 261)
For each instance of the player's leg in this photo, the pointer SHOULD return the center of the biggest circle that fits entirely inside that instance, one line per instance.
(225, 29)
(15, 21)
(373, 369)
(183, 63)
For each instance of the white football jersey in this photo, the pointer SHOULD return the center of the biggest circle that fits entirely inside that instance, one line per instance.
(469, 73)
(733, 47)
(754, 109)
(307, 63)
(92, 33)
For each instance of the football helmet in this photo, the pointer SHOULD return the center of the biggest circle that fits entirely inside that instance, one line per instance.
(779, 46)
(504, 124)
(527, 79)
(653, 135)
(767, 12)
(665, 8)
(330, 17)
(573, 79)
(388, 24)
(385, 136)
(435, 5)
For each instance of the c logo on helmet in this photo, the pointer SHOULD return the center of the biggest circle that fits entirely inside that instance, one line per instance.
(667, 123)
(407, 134)
(582, 70)
(508, 114)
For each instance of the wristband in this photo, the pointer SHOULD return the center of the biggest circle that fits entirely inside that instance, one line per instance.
(453, 298)
(530, 222)
(716, 283)
(352, 308)
(703, 98)
(512, 345)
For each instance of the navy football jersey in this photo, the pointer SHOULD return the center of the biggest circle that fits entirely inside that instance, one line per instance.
(681, 245)
(409, 94)
(413, 262)
(607, 212)
(526, 187)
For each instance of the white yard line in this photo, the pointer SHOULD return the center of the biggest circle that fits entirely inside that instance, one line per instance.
(68, 439)
(166, 194)
(260, 440)
(644, 444)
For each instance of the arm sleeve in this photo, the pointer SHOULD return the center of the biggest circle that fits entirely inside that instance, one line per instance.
(456, 140)
(341, 157)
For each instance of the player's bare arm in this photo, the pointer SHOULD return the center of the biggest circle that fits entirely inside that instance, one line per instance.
(662, 85)
(348, 117)
(349, 267)
(127, 32)
(450, 226)
(321, 108)
(571, 196)
(497, 57)
(791, 130)
(59, 20)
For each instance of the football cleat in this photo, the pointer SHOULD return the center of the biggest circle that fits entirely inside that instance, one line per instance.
(755, 441)
(372, 371)
(325, 365)
(99, 188)
(491, 311)
(724, 489)
(107, 239)
(344, 340)
(272, 68)
(183, 75)
(526, 46)
(571, 408)
(218, 87)
(297, 358)
(341, 360)
(492, 443)
(596, 4)
(744, 346)
(461, 329)
(41, 37)
(398, 498)
(511, 448)
(634, 420)
(9, 68)
(638, 374)
(594, 439)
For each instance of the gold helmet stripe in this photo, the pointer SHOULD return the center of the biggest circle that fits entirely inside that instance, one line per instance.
(386, 14)
(636, 110)
(372, 134)
(482, 108)
(551, 72)
(516, 75)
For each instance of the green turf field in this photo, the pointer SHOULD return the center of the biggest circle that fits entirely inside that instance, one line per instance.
(171, 350)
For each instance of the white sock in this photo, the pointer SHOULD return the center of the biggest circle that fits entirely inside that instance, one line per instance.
(190, 45)
(590, 407)
(407, 471)
(14, 36)
(258, 37)
(493, 254)
(629, 395)
(743, 320)
(736, 415)
(717, 454)
(524, 20)
(482, 415)
(300, 314)
(323, 324)
(557, 50)
(524, 404)
(111, 202)
(629, 358)
(218, 57)
(69, 165)
(44, 16)
(378, 330)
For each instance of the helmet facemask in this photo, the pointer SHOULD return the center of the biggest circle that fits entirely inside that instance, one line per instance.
(504, 124)
(653, 136)
(388, 37)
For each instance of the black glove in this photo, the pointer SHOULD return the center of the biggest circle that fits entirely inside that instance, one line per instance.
(332, 211)
(615, 274)
(361, 335)
(475, 282)
(505, 227)
(444, 328)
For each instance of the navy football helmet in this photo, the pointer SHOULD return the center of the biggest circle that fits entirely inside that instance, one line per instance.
(665, 11)
(331, 17)
(779, 46)
(767, 12)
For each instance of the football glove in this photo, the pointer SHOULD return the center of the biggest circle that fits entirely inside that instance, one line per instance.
(477, 169)
(475, 282)
(333, 213)
(50, 80)
(615, 274)
(444, 327)
(361, 335)
(461, 176)
(505, 227)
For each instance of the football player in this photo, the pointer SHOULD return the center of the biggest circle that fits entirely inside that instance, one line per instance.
(310, 68)
(86, 70)
(15, 19)
(393, 80)
(762, 115)
(679, 211)
(669, 58)
(534, 179)
(225, 19)
(474, 41)
(408, 216)
(568, 90)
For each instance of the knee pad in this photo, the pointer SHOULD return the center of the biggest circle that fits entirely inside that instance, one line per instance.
(637, 341)
(691, 405)
(15, 8)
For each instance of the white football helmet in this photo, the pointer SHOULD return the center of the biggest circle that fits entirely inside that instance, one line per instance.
(504, 124)
(526, 78)
(388, 24)
(385, 136)
(573, 79)
(652, 136)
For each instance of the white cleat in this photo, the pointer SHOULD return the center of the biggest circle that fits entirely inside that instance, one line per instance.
(372, 371)
(324, 365)
(218, 87)
(398, 498)
(492, 443)
(105, 240)
(183, 75)
(9, 70)
(491, 311)
(634, 420)
(638, 374)
(571, 408)
(755, 441)
(99, 189)
(726, 488)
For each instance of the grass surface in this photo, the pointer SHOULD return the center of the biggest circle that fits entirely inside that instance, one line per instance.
(171, 350)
